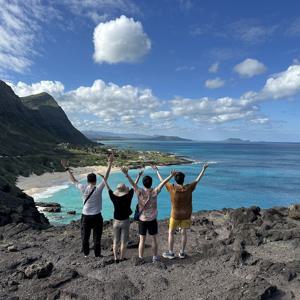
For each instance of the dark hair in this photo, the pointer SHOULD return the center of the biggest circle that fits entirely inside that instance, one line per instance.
(179, 178)
(147, 182)
(91, 178)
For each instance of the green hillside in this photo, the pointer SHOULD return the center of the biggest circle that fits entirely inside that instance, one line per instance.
(33, 124)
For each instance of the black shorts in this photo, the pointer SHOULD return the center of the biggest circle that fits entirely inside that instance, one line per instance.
(150, 226)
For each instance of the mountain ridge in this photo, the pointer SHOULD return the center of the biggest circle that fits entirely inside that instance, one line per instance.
(33, 123)
(102, 135)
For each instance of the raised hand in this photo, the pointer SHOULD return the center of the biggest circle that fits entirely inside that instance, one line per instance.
(111, 157)
(141, 172)
(124, 170)
(173, 172)
(205, 166)
(105, 181)
(64, 163)
(154, 167)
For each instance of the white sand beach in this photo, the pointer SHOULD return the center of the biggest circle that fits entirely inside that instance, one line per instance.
(38, 184)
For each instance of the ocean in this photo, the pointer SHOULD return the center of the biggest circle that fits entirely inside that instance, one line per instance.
(263, 174)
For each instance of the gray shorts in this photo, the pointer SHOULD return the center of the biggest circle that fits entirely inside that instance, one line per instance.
(121, 231)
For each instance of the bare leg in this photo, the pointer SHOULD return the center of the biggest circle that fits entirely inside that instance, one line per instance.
(123, 250)
(115, 250)
(183, 239)
(154, 245)
(142, 246)
(171, 240)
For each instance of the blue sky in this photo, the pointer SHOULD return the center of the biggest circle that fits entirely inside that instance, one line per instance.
(208, 70)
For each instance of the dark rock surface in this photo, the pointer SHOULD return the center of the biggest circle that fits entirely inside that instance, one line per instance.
(250, 254)
(19, 208)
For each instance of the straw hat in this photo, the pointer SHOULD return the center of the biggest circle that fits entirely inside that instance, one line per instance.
(121, 190)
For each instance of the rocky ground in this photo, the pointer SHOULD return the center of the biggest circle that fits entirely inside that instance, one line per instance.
(17, 207)
(232, 254)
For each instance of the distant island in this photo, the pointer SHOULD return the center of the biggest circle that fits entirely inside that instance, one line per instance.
(236, 141)
(103, 135)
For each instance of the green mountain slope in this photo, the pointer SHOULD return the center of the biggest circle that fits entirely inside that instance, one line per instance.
(33, 124)
(50, 116)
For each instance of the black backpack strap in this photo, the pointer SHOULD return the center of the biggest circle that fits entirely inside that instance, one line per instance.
(89, 196)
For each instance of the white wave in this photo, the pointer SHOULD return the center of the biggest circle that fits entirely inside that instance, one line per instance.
(196, 162)
(49, 192)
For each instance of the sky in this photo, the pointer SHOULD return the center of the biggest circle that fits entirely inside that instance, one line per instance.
(206, 70)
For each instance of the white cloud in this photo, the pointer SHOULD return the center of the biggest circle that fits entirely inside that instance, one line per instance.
(13, 63)
(281, 85)
(260, 121)
(54, 88)
(123, 105)
(205, 110)
(185, 68)
(160, 115)
(294, 28)
(214, 68)
(250, 31)
(100, 10)
(111, 106)
(22, 25)
(186, 5)
(214, 83)
(128, 107)
(120, 40)
(296, 61)
(249, 68)
(19, 23)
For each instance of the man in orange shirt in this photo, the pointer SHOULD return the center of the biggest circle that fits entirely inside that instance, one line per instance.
(181, 200)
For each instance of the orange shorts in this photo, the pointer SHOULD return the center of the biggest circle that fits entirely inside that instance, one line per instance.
(184, 224)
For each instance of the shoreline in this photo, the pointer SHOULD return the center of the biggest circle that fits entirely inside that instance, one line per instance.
(48, 183)
(39, 184)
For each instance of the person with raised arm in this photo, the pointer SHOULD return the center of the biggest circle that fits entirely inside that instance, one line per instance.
(181, 211)
(121, 199)
(91, 218)
(147, 206)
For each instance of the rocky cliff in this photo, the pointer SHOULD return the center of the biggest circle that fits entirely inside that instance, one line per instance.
(16, 207)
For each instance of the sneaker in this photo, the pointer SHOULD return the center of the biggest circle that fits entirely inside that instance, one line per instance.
(155, 259)
(168, 254)
(116, 261)
(182, 255)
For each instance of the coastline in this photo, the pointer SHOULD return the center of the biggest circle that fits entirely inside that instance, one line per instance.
(38, 184)
(35, 185)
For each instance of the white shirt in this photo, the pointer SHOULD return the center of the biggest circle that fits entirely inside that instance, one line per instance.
(94, 205)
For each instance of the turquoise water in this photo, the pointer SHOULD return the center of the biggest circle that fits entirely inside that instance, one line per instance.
(265, 174)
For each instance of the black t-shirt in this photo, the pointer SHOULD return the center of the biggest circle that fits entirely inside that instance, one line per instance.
(122, 205)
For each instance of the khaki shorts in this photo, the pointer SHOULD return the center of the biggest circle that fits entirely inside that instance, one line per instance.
(183, 224)
(121, 231)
